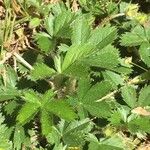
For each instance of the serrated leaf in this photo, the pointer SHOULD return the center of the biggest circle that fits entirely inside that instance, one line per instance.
(80, 30)
(19, 137)
(144, 97)
(47, 97)
(113, 77)
(27, 112)
(32, 97)
(76, 131)
(46, 122)
(62, 24)
(77, 70)
(98, 109)
(7, 93)
(139, 124)
(91, 95)
(74, 53)
(115, 118)
(134, 38)
(10, 107)
(49, 24)
(96, 92)
(145, 53)
(12, 76)
(62, 109)
(129, 95)
(105, 58)
(34, 22)
(45, 44)
(41, 71)
(103, 36)
(83, 87)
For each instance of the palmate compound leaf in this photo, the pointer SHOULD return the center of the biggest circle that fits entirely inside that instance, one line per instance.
(144, 97)
(62, 109)
(99, 38)
(41, 71)
(30, 108)
(71, 133)
(90, 97)
(134, 38)
(76, 132)
(144, 52)
(129, 95)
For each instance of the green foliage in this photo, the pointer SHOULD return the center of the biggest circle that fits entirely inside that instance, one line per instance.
(129, 95)
(41, 71)
(74, 75)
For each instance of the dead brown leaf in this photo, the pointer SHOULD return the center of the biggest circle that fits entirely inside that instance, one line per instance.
(75, 6)
(141, 111)
(144, 147)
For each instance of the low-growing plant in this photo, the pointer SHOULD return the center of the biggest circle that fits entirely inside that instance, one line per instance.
(74, 75)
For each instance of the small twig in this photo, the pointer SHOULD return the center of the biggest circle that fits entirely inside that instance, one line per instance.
(110, 95)
(14, 53)
(106, 20)
(23, 61)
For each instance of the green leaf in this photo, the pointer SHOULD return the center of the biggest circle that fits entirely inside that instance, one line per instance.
(12, 76)
(74, 53)
(105, 58)
(34, 22)
(7, 93)
(129, 95)
(113, 77)
(11, 107)
(27, 112)
(47, 97)
(139, 124)
(77, 70)
(5, 143)
(19, 137)
(113, 143)
(91, 95)
(96, 92)
(76, 131)
(80, 30)
(144, 97)
(134, 38)
(46, 122)
(62, 24)
(103, 36)
(32, 97)
(145, 53)
(45, 44)
(41, 71)
(49, 24)
(62, 109)
(83, 87)
(98, 109)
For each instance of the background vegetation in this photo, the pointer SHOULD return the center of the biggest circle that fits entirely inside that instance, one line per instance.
(74, 75)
